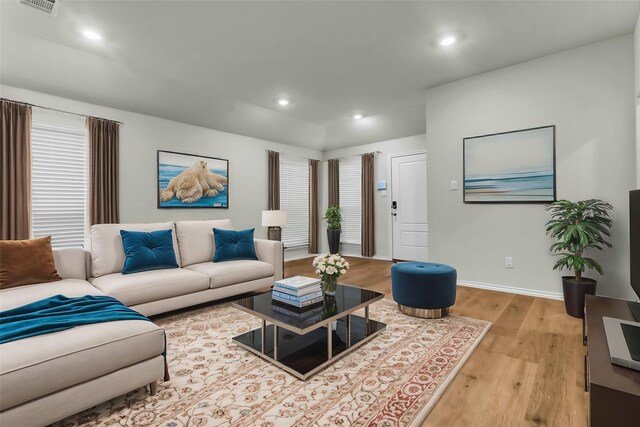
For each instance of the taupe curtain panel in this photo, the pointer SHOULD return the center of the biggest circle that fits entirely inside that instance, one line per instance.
(103, 171)
(313, 206)
(15, 215)
(368, 232)
(274, 181)
(334, 182)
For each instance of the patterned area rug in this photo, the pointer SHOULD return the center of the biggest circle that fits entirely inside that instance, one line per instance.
(393, 380)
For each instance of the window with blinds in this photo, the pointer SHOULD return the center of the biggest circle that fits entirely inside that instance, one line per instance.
(294, 200)
(351, 199)
(59, 183)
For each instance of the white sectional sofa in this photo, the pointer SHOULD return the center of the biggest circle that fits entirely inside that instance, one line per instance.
(48, 377)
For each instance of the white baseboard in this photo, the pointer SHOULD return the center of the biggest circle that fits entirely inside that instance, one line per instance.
(511, 290)
(298, 256)
(302, 256)
(381, 258)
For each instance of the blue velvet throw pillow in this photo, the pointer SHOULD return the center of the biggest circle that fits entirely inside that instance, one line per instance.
(234, 245)
(146, 251)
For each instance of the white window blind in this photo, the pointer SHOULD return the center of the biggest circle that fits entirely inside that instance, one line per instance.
(351, 199)
(294, 200)
(59, 183)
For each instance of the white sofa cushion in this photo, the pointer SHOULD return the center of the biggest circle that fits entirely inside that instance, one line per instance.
(107, 253)
(22, 295)
(195, 239)
(36, 366)
(146, 286)
(233, 272)
(71, 263)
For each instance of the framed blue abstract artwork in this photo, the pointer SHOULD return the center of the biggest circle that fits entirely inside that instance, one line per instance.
(192, 181)
(511, 167)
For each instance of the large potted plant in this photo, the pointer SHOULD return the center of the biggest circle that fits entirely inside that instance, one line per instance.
(578, 226)
(333, 217)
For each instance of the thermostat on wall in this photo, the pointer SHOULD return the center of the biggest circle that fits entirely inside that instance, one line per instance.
(382, 185)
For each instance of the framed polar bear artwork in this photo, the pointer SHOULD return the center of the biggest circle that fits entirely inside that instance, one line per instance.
(192, 181)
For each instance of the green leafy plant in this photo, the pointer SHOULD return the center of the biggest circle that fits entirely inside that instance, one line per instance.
(333, 217)
(578, 226)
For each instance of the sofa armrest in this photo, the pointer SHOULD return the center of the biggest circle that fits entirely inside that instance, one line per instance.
(271, 251)
(71, 263)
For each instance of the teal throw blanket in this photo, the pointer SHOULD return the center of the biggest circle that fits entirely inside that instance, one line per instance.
(58, 313)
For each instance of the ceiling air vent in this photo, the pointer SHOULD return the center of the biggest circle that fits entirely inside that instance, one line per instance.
(50, 7)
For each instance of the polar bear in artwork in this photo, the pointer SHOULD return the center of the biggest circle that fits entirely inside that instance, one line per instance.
(193, 183)
(215, 181)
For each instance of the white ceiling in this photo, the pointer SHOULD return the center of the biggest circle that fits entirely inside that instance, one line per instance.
(223, 64)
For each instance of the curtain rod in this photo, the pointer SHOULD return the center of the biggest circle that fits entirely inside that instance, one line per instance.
(55, 109)
(346, 157)
(292, 155)
(335, 158)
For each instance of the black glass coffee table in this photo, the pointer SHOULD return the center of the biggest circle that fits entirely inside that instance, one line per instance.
(302, 342)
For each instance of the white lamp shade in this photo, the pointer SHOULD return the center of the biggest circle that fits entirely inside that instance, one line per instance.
(274, 218)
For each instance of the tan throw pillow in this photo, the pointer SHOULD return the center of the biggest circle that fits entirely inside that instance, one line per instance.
(23, 262)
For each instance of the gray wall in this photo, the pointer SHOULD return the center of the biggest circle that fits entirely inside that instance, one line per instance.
(636, 94)
(141, 136)
(587, 94)
(411, 144)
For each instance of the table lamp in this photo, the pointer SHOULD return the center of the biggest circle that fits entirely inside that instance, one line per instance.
(274, 220)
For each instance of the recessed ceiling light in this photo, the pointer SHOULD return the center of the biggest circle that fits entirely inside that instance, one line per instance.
(284, 102)
(447, 40)
(357, 116)
(91, 35)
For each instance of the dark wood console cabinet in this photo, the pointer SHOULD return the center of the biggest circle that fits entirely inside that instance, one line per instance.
(614, 391)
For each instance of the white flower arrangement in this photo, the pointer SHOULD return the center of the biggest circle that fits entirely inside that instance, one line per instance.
(330, 265)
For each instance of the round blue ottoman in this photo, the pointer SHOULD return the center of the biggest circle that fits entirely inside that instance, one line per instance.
(423, 289)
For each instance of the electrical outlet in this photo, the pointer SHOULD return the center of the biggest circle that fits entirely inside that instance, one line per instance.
(454, 185)
(508, 262)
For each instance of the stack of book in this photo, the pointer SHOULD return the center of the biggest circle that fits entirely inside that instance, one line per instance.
(304, 317)
(297, 291)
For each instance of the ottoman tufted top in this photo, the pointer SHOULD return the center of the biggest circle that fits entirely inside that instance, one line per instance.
(420, 268)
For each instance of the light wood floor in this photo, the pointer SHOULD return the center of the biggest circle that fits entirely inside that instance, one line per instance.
(527, 371)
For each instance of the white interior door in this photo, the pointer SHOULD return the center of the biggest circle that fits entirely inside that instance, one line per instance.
(409, 207)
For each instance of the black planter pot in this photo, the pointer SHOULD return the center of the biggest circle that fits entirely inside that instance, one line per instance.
(574, 293)
(334, 241)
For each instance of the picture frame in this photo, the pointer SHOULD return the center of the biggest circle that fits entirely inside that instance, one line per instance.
(517, 166)
(191, 181)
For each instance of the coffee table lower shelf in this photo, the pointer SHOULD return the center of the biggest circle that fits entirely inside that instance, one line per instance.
(305, 355)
